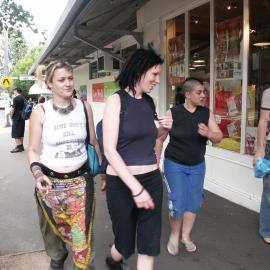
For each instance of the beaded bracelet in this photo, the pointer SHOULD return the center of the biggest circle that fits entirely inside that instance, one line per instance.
(36, 171)
(136, 195)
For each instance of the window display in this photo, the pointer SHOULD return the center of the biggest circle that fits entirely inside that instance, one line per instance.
(175, 57)
(228, 79)
(227, 84)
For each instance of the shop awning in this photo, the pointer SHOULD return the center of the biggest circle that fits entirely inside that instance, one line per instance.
(89, 25)
(39, 89)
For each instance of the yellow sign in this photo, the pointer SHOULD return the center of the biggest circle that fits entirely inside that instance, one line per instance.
(6, 81)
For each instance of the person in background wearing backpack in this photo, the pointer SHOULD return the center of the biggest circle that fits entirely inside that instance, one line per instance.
(133, 179)
(18, 124)
(184, 164)
(64, 184)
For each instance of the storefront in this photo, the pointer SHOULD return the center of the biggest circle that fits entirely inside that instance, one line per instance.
(227, 45)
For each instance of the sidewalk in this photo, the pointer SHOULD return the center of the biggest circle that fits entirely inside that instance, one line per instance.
(226, 234)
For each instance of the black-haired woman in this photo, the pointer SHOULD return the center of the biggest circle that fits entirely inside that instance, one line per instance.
(134, 183)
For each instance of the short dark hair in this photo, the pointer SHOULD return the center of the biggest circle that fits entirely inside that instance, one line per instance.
(136, 66)
(190, 83)
(18, 89)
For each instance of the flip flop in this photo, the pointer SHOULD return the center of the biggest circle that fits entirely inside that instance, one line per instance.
(189, 246)
(266, 240)
(172, 248)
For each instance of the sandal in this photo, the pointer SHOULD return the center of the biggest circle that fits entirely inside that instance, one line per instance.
(266, 240)
(189, 246)
(172, 248)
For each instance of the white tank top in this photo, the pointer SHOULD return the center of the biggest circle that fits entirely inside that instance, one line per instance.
(63, 136)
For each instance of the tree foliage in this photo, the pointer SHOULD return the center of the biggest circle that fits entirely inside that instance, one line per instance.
(17, 49)
(22, 68)
(13, 17)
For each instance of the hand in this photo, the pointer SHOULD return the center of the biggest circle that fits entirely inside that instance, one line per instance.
(144, 200)
(165, 121)
(43, 184)
(259, 153)
(103, 182)
(203, 130)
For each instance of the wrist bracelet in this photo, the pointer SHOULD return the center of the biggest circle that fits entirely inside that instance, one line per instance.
(34, 164)
(36, 171)
(136, 195)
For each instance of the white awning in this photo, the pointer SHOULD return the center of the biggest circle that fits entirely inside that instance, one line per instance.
(39, 89)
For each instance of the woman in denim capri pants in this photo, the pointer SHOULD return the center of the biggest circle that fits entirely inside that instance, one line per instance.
(184, 165)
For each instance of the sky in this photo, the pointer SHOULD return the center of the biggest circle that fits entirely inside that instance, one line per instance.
(46, 14)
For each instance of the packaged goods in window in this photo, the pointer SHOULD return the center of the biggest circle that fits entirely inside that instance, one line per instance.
(250, 144)
(234, 105)
(234, 129)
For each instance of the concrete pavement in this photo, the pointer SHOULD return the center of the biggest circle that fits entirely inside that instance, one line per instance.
(226, 234)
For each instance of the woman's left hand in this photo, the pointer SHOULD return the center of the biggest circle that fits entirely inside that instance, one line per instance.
(165, 121)
(103, 182)
(203, 130)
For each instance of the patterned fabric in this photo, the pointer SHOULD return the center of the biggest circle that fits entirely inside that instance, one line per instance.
(69, 208)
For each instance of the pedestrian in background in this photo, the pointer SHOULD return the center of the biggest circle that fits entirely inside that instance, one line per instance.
(7, 101)
(74, 94)
(134, 183)
(18, 124)
(64, 184)
(184, 164)
(263, 150)
(41, 99)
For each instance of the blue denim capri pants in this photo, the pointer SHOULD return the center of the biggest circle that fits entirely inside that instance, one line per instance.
(185, 187)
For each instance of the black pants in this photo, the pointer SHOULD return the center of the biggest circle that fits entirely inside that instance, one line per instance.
(127, 219)
(17, 130)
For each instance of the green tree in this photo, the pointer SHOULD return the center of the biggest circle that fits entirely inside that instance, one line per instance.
(17, 49)
(13, 17)
(22, 68)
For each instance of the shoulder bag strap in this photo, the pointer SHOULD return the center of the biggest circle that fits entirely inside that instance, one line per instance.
(124, 104)
(87, 124)
(152, 105)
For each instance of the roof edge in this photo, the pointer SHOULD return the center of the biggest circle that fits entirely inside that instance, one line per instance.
(73, 8)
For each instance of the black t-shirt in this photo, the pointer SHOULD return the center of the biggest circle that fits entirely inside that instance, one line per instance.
(186, 145)
(18, 104)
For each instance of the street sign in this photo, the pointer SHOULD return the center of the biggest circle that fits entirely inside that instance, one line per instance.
(6, 82)
(27, 78)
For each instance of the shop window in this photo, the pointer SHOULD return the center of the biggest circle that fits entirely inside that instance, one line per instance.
(258, 68)
(175, 60)
(228, 71)
(199, 52)
(93, 70)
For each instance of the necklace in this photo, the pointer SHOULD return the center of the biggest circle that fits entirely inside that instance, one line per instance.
(191, 110)
(64, 110)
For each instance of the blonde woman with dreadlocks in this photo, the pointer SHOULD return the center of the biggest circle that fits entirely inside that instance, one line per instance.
(64, 183)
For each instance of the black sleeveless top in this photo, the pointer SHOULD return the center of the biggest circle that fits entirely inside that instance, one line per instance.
(138, 133)
(186, 145)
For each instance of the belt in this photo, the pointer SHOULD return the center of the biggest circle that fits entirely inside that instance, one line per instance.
(51, 173)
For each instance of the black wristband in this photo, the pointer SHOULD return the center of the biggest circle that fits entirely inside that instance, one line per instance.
(34, 164)
(136, 195)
